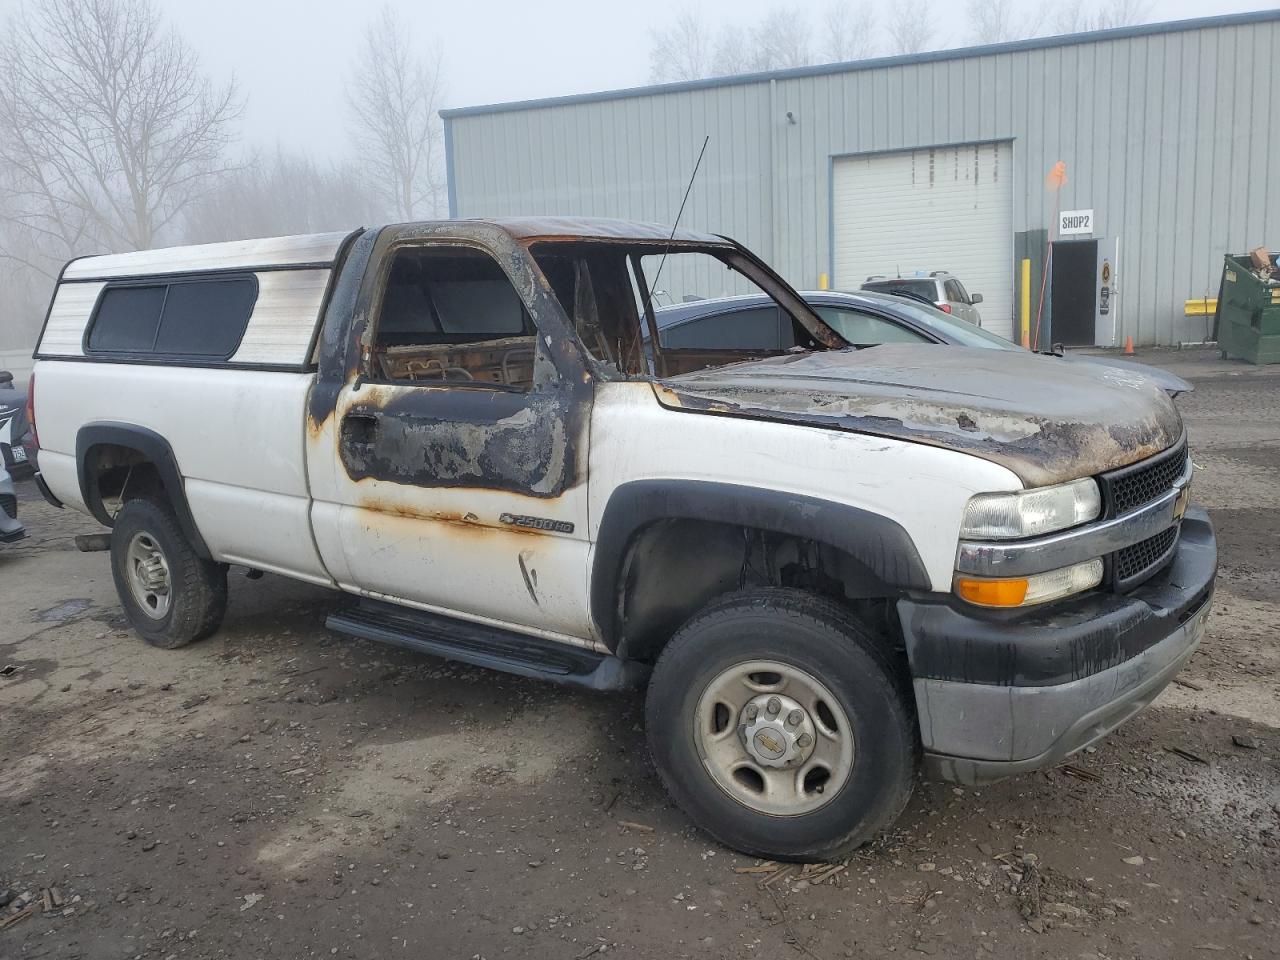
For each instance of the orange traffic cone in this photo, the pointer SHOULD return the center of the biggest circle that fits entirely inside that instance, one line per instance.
(1128, 346)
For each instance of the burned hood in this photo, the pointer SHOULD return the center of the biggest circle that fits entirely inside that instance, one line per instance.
(1045, 420)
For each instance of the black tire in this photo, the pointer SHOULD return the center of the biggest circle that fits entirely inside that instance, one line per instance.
(198, 587)
(818, 636)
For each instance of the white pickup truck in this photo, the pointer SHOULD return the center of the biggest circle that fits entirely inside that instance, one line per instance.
(826, 563)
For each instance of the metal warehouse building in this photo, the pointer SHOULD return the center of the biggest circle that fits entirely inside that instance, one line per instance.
(1170, 134)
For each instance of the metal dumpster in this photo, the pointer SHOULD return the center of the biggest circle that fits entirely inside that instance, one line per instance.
(1248, 318)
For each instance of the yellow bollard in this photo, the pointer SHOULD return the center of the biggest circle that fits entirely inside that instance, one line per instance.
(1026, 304)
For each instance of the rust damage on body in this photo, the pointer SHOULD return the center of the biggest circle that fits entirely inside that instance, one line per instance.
(469, 524)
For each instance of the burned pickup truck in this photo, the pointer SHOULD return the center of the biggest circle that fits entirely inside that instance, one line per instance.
(830, 566)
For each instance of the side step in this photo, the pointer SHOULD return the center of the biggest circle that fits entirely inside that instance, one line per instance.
(485, 646)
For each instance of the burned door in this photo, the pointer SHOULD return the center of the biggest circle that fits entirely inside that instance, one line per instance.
(457, 441)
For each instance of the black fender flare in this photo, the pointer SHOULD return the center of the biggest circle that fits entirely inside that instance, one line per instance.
(878, 542)
(157, 450)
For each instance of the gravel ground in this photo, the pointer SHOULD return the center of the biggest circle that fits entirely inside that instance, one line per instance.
(280, 791)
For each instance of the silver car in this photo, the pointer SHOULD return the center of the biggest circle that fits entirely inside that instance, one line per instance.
(942, 289)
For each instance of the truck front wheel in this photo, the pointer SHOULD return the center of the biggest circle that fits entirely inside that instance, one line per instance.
(781, 727)
(170, 593)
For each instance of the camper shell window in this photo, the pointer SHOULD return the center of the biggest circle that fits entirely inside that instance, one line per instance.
(194, 319)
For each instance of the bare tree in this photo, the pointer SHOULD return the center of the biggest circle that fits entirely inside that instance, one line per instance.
(849, 31)
(684, 50)
(997, 21)
(733, 51)
(780, 40)
(910, 28)
(1073, 16)
(284, 193)
(394, 96)
(1122, 13)
(108, 128)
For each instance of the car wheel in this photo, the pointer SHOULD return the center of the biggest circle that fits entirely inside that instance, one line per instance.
(170, 594)
(779, 723)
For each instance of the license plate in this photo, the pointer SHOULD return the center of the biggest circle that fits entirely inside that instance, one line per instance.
(19, 455)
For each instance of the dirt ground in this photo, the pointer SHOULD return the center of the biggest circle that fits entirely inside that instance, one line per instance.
(281, 791)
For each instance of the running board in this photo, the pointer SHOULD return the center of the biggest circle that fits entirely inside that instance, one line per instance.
(485, 646)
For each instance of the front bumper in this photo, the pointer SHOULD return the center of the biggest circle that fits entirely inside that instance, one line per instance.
(999, 696)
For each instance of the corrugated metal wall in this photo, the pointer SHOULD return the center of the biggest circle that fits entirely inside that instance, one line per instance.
(1170, 133)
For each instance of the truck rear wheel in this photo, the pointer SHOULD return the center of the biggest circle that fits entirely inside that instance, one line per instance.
(780, 726)
(170, 594)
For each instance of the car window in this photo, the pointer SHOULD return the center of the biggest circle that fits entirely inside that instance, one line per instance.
(750, 329)
(954, 293)
(964, 294)
(921, 288)
(952, 328)
(450, 314)
(866, 329)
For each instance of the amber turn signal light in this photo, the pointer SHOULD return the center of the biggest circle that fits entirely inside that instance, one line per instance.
(1024, 591)
(992, 593)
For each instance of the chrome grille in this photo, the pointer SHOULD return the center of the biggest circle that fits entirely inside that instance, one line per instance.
(1133, 486)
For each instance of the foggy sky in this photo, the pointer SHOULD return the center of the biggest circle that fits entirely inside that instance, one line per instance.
(291, 56)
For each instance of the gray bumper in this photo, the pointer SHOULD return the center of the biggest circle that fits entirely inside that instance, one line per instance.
(985, 733)
(1004, 696)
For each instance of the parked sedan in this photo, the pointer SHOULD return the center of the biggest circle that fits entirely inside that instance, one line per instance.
(864, 319)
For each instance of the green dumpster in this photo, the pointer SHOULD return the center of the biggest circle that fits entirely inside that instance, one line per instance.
(1249, 312)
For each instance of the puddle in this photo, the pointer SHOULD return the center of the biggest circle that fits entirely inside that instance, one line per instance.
(67, 610)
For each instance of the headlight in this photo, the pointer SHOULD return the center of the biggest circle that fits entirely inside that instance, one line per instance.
(1025, 591)
(1030, 513)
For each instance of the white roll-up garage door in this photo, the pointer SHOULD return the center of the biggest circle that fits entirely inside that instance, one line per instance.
(945, 208)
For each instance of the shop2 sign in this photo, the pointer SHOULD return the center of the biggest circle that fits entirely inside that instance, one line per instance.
(1075, 222)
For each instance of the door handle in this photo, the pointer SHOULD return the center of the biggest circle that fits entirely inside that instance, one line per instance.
(360, 428)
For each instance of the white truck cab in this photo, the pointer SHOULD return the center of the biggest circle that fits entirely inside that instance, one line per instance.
(825, 563)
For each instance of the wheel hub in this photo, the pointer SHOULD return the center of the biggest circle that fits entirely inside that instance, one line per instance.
(777, 731)
(147, 574)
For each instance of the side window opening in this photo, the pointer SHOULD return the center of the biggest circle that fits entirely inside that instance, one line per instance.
(450, 314)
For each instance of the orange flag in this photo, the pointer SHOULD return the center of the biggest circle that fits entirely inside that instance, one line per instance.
(1057, 177)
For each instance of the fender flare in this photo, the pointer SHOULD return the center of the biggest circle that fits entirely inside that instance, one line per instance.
(878, 542)
(157, 450)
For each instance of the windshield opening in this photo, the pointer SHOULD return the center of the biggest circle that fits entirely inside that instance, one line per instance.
(615, 294)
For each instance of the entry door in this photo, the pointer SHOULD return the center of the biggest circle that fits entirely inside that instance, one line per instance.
(458, 450)
(1073, 293)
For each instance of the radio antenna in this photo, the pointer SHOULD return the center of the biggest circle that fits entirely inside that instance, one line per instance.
(653, 288)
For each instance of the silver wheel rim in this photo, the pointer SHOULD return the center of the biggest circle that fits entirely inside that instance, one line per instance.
(147, 572)
(774, 738)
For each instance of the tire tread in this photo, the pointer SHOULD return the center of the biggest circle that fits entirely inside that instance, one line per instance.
(822, 613)
(199, 585)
